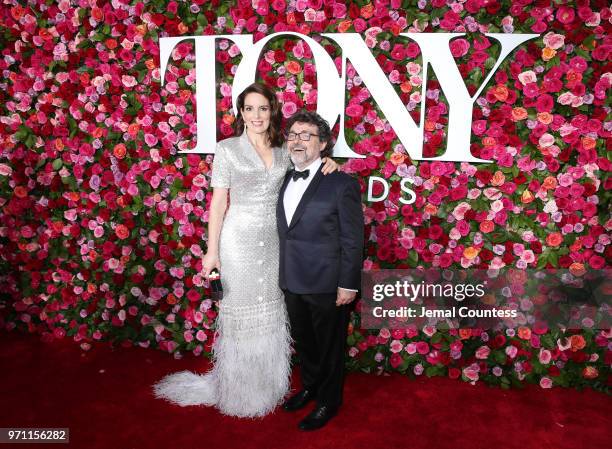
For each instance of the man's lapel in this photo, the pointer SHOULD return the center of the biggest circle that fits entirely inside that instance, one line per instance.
(308, 194)
(280, 204)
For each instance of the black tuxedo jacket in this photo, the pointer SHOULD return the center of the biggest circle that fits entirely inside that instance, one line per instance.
(322, 248)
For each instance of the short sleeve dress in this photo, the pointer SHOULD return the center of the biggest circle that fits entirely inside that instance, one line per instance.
(252, 350)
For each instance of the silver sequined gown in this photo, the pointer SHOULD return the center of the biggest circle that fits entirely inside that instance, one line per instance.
(251, 354)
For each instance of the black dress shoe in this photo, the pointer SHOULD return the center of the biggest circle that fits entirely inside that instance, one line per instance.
(299, 400)
(318, 417)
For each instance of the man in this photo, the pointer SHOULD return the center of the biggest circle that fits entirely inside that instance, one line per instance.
(320, 225)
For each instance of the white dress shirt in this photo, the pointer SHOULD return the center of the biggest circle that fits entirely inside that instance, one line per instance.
(295, 190)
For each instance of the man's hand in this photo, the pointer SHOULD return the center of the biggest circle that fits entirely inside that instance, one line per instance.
(345, 296)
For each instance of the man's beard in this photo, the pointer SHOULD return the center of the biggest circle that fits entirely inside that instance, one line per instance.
(298, 158)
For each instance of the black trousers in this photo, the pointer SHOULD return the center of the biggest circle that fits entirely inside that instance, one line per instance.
(319, 329)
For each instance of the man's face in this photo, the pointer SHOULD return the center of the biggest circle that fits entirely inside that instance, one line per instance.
(303, 153)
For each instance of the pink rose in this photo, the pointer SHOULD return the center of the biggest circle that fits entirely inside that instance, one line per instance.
(289, 109)
(483, 352)
(395, 346)
(422, 347)
(546, 382)
(565, 15)
(546, 140)
(544, 356)
(554, 41)
(354, 110)
(527, 77)
(511, 351)
(459, 47)
(597, 262)
(471, 372)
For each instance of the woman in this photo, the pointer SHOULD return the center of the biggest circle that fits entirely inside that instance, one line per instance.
(251, 353)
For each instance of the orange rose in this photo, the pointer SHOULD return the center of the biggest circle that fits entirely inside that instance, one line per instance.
(519, 114)
(119, 151)
(344, 26)
(488, 141)
(548, 53)
(73, 196)
(150, 63)
(572, 76)
(293, 67)
(577, 269)
(487, 226)
(17, 12)
(185, 94)
(430, 125)
(590, 372)
(588, 143)
(524, 333)
(122, 231)
(577, 245)
(554, 239)
(470, 252)
(367, 11)
(406, 87)
(182, 28)
(45, 34)
(97, 14)
(465, 333)
(228, 119)
(397, 158)
(431, 209)
(545, 117)
(500, 92)
(111, 44)
(550, 182)
(498, 179)
(527, 197)
(133, 129)
(171, 299)
(577, 342)
(59, 145)
(20, 192)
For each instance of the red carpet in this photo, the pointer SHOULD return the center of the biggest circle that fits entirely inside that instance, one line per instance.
(104, 397)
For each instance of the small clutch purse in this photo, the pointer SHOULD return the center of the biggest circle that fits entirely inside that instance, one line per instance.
(215, 285)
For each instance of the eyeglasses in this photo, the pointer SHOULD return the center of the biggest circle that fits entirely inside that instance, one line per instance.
(304, 136)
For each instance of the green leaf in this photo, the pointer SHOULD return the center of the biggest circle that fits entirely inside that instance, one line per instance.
(57, 164)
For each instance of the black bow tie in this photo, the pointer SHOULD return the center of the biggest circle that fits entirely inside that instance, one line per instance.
(295, 175)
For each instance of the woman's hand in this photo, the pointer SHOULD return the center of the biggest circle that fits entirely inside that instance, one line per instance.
(329, 165)
(210, 261)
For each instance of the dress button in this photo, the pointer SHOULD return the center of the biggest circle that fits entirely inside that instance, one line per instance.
(260, 298)
(260, 279)
(261, 243)
(260, 262)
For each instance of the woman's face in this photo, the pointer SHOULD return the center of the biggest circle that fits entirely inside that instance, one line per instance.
(256, 113)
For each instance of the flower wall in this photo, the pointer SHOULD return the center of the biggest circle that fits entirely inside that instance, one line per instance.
(103, 224)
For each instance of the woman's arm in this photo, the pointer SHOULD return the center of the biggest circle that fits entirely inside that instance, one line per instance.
(218, 206)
